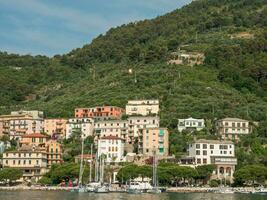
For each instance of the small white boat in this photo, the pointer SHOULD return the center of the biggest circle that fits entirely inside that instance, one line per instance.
(260, 190)
(102, 189)
(225, 190)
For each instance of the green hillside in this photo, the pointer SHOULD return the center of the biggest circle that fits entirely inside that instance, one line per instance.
(231, 82)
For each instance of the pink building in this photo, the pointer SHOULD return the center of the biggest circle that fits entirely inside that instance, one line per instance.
(55, 127)
(101, 112)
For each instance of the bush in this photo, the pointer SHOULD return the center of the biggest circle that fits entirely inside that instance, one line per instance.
(214, 183)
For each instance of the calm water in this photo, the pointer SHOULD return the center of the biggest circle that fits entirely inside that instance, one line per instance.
(44, 195)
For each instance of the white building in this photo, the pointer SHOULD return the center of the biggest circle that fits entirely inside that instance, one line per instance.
(219, 153)
(190, 124)
(27, 125)
(83, 125)
(232, 128)
(140, 122)
(142, 107)
(118, 128)
(112, 147)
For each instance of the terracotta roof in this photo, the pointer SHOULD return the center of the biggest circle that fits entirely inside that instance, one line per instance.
(34, 135)
(85, 156)
(110, 137)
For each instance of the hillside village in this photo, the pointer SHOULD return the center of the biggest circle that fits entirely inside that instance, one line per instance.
(124, 135)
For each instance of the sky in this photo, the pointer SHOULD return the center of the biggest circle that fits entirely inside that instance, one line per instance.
(49, 27)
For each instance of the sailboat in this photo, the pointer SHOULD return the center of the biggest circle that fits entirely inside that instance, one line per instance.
(80, 188)
(155, 189)
(102, 188)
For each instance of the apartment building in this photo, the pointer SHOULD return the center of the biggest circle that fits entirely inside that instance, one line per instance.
(28, 125)
(54, 153)
(85, 126)
(34, 139)
(118, 128)
(140, 122)
(112, 147)
(22, 122)
(219, 153)
(152, 140)
(142, 107)
(5, 122)
(191, 124)
(100, 112)
(232, 128)
(31, 160)
(56, 127)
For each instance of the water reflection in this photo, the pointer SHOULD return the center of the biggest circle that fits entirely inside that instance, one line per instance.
(42, 195)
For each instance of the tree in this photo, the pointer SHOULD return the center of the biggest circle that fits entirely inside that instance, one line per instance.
(250, 175)
(8, 175)
(204, 172)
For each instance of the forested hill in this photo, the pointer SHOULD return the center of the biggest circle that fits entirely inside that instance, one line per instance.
(232, 81)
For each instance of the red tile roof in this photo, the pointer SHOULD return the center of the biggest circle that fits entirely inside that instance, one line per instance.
(34, 135)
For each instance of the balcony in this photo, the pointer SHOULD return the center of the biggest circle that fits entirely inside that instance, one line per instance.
(224, 160)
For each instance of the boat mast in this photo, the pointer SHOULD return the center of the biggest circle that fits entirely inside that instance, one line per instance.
(81, 164)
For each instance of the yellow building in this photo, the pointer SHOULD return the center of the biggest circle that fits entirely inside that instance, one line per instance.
(35, 139)
(31, 160)
(54, 153)
(153, 139)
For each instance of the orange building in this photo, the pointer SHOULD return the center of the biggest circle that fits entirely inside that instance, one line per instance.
(35, 139)
(55, 127)
(54, 152)
(102, 112)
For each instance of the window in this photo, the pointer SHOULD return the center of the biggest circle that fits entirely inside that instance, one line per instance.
(37, 162)
(30, 162)
(198, 161)
(204, 161)
(211, 152)
(197, 146)
(197, 152)
(19, 162)
(24, 162)
(211, 146)
(204, 146)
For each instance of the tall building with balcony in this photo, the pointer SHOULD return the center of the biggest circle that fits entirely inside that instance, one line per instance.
(19, 123)
(54, 153)
(31, 160)
(232, 128)
(142, 107)
(56, 127)
(140, 122)
(112, 147)
(118, 128)
(83, 126)
(27, 125)
(191, 124)
(152, 140)
(100, 112)
(219, 153)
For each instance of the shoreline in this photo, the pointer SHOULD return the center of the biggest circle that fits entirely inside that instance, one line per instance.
(170, 189)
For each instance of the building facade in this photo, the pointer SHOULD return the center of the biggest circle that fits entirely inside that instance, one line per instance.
(219, 153)
(140, 122)
(118, 128)
(85, 126)
(100, 112)
(153, 140)
(28, 125)
(142, 107)
(31, 160)
(232, 128)
(56, 128)
(191, 124)
(36, 114)
(34, 139)
(112, 148)
(54, 153)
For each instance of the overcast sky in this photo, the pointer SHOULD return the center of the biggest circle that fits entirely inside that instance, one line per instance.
(50, 27)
